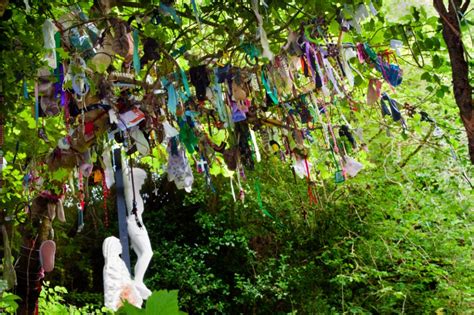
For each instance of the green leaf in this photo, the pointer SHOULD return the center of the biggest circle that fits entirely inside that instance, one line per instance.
(437, 61)
(129, 309)
(163, 302)
(426, 76)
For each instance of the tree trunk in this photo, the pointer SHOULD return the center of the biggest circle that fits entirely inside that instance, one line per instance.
(28, 266)
(459, 66)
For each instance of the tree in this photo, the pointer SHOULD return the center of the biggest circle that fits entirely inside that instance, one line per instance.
(178, 36)
(450, 19)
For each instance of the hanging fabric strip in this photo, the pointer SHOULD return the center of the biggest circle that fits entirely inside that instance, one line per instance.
(27, 6)
(255, 146)
(184, 78)
(372, 8)
(311, 196)
(196, 13)
(347, 70)
(81, 205)
(136, 58)
(331, 131)
(219, 98)
(232, 188)
(36, 103)
(271, 93)
(172, 96)
(60, 85)
(267, 53)
(105, 194)
(57, 40)
(241, 190)
(309, 63)
(170, 11)
(49, 29)
(330, 71)
(320, 72)
(25, 90)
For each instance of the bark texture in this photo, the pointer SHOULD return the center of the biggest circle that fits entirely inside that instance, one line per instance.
(459, 65)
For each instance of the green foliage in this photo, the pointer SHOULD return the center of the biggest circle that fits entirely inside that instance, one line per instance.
(51, 301)
(383, 242)
(159, 303)
(8, 301)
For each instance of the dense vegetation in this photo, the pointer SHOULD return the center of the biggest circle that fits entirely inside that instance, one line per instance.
(397, 238)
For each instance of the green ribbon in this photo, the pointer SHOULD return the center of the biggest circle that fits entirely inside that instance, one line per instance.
(184, 78)
(271, 93)
(251, 50)
(370, 52)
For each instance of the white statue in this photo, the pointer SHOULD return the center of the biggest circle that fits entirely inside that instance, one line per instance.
(118, 284)
(140, 242)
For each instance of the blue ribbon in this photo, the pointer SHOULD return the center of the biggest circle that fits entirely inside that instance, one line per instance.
(172, 95)
(25, 90)
(171, 11)
(136, 58)
(184, 78)
(196, 12)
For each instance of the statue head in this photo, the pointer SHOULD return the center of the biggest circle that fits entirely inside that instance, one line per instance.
(111, 247)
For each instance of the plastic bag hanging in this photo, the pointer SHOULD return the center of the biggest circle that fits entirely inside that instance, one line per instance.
(351, 166)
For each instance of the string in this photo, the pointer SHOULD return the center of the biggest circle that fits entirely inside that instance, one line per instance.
(134, 202)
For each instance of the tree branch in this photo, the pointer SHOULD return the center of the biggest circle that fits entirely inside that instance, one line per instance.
(286, 24)
(464, 7)
(439, 6)
(418, 148)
